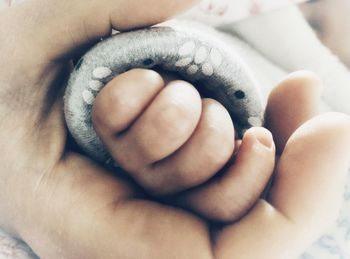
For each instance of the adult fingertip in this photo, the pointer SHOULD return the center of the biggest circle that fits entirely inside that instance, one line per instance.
(311, 173)
(294, 101)
(310, 78)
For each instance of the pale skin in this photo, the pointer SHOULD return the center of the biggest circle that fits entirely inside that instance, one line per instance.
(331, 21)
(66, 206)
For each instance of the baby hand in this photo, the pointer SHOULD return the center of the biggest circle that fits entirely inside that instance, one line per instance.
(65, 205)
(172, 142)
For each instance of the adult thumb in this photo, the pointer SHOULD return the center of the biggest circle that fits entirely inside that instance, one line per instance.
(54, 28)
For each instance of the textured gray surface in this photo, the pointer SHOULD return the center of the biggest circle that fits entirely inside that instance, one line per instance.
(194, 54)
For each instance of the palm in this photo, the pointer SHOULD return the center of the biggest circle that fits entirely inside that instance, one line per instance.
(91, 199)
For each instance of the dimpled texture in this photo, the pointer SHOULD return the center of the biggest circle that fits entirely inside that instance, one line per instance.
(196, 55)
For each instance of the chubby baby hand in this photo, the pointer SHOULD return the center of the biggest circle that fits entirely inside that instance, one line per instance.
(177, 145)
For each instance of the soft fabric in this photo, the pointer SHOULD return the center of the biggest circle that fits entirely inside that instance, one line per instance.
(287, 40)
(217, 12)
(191, 52)
(12, 248)
(221, 12)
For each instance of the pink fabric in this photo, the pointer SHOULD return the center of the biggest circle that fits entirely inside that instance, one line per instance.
(218, 12)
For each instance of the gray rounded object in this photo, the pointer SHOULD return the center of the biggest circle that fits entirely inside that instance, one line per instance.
(196, 56)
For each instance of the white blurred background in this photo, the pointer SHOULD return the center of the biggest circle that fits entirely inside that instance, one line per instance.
(331, 20)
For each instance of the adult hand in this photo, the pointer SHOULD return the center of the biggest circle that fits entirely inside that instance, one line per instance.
(64, 205)
(307, 192)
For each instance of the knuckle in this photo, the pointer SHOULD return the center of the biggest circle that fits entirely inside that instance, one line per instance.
(187, 179)
(115, 98)
(117, 106)
(228, 213)
(210, 101)
(98, 114)
(147, 76)
(216, 158)
(173, 118)
(219, 131)
(178, 115)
